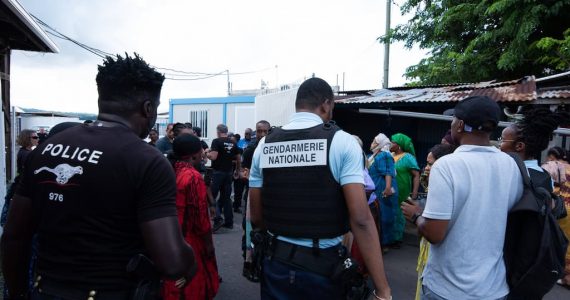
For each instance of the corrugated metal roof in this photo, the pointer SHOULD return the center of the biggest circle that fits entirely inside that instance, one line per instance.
(554, 93)
(520, 90)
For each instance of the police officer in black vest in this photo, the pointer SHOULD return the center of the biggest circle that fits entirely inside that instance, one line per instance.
(100, 201)
(306, 189)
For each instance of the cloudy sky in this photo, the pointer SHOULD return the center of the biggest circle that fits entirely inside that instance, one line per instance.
(278, 41)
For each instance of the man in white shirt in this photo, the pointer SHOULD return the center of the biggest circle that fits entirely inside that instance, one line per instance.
(470, 194)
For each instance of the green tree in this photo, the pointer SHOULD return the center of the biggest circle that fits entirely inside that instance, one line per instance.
(478, 40)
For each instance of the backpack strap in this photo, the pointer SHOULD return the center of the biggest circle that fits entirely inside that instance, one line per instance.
(522, 168)
(525, 203)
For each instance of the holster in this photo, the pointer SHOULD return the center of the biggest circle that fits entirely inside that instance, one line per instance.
(333, 263)
(260, 240)
(147, 279)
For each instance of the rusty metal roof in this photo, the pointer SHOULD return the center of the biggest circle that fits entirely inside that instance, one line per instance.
(520, 90)
(561, 92)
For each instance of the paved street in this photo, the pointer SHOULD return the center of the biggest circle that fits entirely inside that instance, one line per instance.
(400, 267)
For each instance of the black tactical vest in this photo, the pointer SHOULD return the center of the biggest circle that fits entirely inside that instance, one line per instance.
(301, 198)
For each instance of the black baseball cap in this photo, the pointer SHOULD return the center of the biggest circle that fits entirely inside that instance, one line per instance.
(478, 112)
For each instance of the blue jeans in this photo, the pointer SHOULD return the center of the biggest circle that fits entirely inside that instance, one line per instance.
(428, 294)
(281, 281)
(222, 183)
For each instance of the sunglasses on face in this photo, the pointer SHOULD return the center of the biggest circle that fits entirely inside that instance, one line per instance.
(35, 137)
(501, 140)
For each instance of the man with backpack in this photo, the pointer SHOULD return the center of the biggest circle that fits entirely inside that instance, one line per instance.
(465, 218)
(535, 246)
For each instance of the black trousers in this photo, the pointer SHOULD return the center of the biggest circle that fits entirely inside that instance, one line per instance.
(241, 188)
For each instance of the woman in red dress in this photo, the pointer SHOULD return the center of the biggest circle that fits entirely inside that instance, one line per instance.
(192, 206)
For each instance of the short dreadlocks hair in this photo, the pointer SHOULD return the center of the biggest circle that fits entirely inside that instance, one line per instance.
(125, 83)
(536, 127)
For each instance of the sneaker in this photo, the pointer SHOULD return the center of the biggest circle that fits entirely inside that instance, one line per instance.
(228, 226)
(249, 272)
(217, 225)
(246, 272)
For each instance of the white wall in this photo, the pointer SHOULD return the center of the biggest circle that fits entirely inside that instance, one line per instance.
(181, 113)
(161, 123)
(276, 108)
(240, 116)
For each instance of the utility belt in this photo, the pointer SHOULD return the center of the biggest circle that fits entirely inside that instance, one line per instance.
(145, 285)
(324, 262)
(333, 263)
(70, 292)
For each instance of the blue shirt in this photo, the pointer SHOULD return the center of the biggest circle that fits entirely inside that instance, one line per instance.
(533, 164)
(243, 143)
(345, 163)
(164, 144)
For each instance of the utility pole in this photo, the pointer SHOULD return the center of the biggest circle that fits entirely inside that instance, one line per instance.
(229, 86)
(277, 78)
(387, 45)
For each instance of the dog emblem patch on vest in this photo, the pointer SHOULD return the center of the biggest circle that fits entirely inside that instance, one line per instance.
(63, 172)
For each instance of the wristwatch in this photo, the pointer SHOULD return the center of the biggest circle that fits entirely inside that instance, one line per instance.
(415, 217)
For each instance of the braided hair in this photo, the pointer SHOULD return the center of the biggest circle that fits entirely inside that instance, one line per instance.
(536, 127)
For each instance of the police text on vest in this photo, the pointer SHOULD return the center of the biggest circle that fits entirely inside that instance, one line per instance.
(74, 153)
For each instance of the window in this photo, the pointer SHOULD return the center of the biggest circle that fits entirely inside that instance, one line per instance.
(199, 118)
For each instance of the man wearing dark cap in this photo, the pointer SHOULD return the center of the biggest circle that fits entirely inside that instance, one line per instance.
(471, 192)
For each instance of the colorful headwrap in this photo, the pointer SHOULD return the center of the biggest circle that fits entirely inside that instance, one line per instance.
(405, 142)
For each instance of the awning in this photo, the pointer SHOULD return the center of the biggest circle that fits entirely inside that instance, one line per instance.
(20, 31)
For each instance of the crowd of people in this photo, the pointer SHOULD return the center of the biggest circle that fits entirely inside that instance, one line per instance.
(107, 209)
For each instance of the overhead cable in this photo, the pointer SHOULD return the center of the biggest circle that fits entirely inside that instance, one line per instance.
(177, 75)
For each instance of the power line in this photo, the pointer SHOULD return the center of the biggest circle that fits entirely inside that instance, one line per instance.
(200, 78)
(185, 72)
(177, 73)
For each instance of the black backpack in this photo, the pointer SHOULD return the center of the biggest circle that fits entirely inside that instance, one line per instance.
(535, 246)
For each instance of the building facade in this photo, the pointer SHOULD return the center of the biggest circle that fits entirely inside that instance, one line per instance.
(236, 112)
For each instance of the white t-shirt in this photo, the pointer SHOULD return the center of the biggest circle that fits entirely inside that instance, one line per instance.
(474, 188)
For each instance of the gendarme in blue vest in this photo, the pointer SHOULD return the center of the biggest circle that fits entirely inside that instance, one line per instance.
(301, 198)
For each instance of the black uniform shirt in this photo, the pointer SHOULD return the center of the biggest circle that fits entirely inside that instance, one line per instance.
(248, 155)
(90, 188)
(226, 153)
